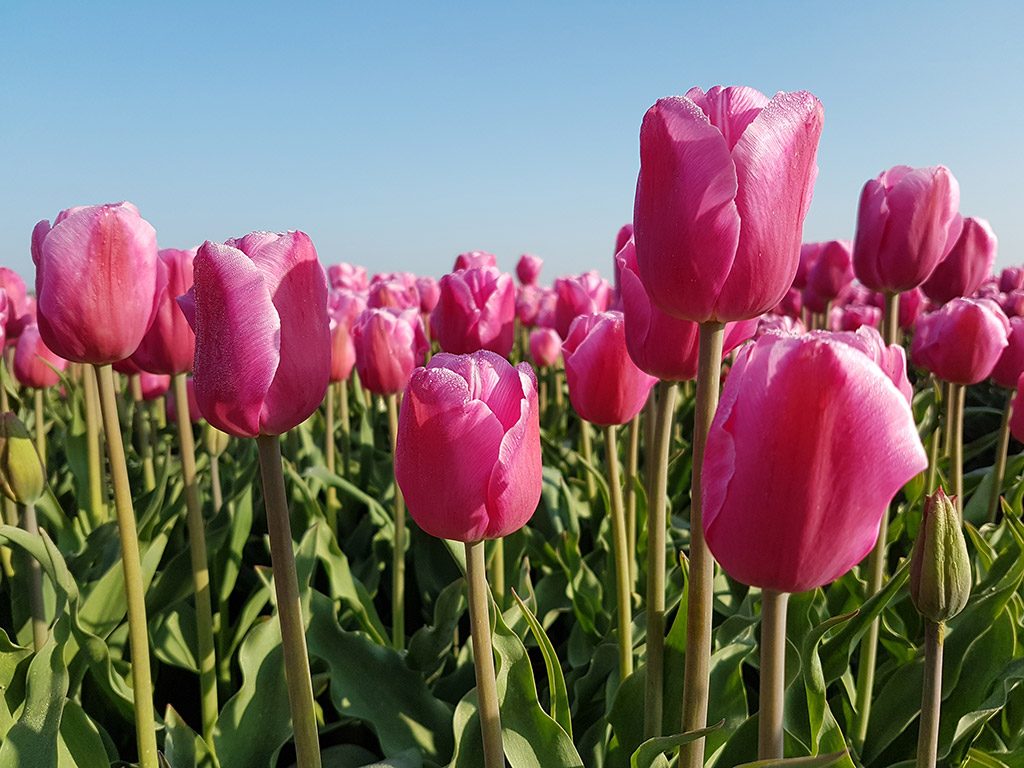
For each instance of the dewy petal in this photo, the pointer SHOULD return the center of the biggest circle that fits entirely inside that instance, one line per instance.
(775, 170)
(730, 109)
(237, 339)
(686, 224)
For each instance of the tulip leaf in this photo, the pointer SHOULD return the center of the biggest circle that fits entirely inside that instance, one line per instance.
(556, 680)
(818, 761)
(646, 753)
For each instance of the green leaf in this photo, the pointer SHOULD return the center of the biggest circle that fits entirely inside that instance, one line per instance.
(820, 761)
(556, 680)
(651, 749)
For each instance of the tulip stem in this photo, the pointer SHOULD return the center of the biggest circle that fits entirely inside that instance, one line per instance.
(947, 390)
(345, 426)
(37, 401)
(958, 393)
(135, 594)
(398, 563)
(933, 459)
(702, 566)
(215, 487)
(92, 446)
(632, 452)
(142, 433)
(10, 510)
(40, 627)
(200, 566)
(876, 571)
(557, 385)
(329, 458)
(587, 453)
(483, 655)
(620, 554)
(657, 457)
(498, 571)
(289, 609)
(770, 736)
(999, 468)
(931, 695)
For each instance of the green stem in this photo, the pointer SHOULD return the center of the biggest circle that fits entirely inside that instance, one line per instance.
(346, 447)
(956, 403)
(398, 562)
(558, 386)
(947, 388)
(632, 454)
(135, 593)
(37, 401)
(702, 565)
(587, 453)
(40, 626)
(657, 489)
(10, 510)
(933, 459)
(215, 487)
(142, 433)
(289, 609)
(773, 674)
(200, 565)
(999, 469)
(329, 457)
(483, 655)
(621, 555)
(498, 571)
(92, 446)
(931, 695)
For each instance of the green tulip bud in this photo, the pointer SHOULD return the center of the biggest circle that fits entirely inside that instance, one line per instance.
(216, 442)
(940, 568)
(21, 472)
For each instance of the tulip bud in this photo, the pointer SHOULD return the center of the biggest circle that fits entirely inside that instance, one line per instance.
(216, 442)
(21, 472)
(940, 569)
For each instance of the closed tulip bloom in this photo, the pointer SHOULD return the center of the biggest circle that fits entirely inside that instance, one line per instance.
(605, 385)
(343, 308)
(793, 493)
(35, 364)
(906, 224)
(348, 276)
(792, 304)
(18, 303)
(263, 342)
(891, 359)
(96, 281)
(545, 347)
(528, 268)
(169, 345)
(854, 316)
(624, 235)
(471, 259)
(429, 292)
(911, 305)
(546, 309)
(966, 266)
(389, 345)
(1012, 303)
(1010, 365)
(661, 345)
(725, 182)
(155, 385)
(1011, 279)
(832, 271)
(577, 295)
(477, 310)
(809, 253)
(962, 341)
(467, 456)
(528, 304)
(392, 294)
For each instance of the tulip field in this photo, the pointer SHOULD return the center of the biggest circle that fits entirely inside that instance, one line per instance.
(752, 502)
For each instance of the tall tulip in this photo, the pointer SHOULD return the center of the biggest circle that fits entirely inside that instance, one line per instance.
(831, 274)
(545, 347)
(966, 265)
(169, 345)
(389, 345)
(577, 295)
(476, 311)
(962, 342)
(35, 364)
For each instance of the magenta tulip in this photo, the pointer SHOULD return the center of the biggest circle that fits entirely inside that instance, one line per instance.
(472, 259)
(156, 385)
(468, 451)
(528, 304)
(343, 308)
(577, 295)
(1010, 365)
(389, 345)
(854, 316)
(831, 273)
(793, 492)
(906, 224)
(545, 347)
(792, 305)
(1011, 279)
(809, 253)
(392, 294)
(892, 360)
(169, 345)
(35, 365)
(18, 313)
(605, 386)
(96, 281)
(477, 310)
(962, 341)
(347, 276)
(725, 182)
(1012, 303)
(966, 265)
(528, 268)
(263, 341)
(429, 292)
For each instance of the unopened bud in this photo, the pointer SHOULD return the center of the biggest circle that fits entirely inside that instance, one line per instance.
(940, 568)
(21, 472)
(216, 442)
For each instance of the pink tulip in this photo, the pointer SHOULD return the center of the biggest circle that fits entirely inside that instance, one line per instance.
(1017, 415)
(468, 452)
(1012, 303)
(476, 310)
(156, 385)
(793, 492)
(725, 182)
(169, 345)
(343, 308)
(392, 294)
(772, 323)
(659, 344)
(906, 224)
(854, 316)
(967, 264)
(528, 304)
(35, 365)
(809, 253)
(577, 295)
(263, 341)
(892, 360)
(389, 345)
(96, 281)
(18, 303)
(347, 276)
(528, 268)
(625, 234)
(1011, 279)
(832, 272)
(545, 347)
(605, 386)
(792, 304)
(171, 405)
(429, 292)
(1010, 364)
(961, 342)
(546, 309)
(472, 259)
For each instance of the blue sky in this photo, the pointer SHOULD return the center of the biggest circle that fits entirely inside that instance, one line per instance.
(399, 134)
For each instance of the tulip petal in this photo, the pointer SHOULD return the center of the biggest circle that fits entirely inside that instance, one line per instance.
(730, 109)
(237, 339)
(515, 484)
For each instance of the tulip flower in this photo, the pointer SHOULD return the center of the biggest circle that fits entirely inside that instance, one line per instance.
(906, 224)
(154, 385)
(476, 311)
(962, 342)
(35, 364)
(85, 313)
(792, 305)
(967, 264)
(725, 182)
(831, 273)
(392, 294)
(1006, 372)
(809, 253)
(171, 404)
(343, 308)
(263, 342)
(1011, 279)
(854, 316)
(528, 268)
(577, 295)
(528, 304)
(169, 345)
(545, 347)
(1012, 303)
(389, 345)
(472, 259)
(781, 323)
(790, 503)
(347, 276)
(18, 310)
(429, 292)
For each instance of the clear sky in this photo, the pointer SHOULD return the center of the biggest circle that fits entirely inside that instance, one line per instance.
(399, 134)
